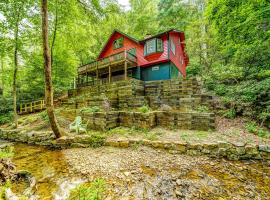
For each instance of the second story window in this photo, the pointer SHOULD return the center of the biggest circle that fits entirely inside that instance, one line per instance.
(118, 43)
(153, 46)
(172, 47)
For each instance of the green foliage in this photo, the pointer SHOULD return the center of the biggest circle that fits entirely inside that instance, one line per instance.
(44, 116)
(144, 109)
(6, 118)
(89, 191)
(93, 109)
(202, 109)
(227, 42)
(240, 71)
(231, 113)
(254, 128)
(7, 152)
(97, 139)
(3, 188)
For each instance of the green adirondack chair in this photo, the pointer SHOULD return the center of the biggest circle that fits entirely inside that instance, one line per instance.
(77, 125)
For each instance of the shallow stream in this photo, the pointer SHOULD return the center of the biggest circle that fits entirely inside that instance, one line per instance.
(142, 174)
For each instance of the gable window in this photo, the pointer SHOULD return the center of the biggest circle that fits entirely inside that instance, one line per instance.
(153, 46)
(118, 43)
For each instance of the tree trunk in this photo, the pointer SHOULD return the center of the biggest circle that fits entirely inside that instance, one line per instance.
(14, 84)
(54, 31)
(47, 71)
(2, 75)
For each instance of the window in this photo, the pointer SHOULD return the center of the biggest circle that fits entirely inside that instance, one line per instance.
(155, 68)
(132, 51)
(172, 47)
(153, 46)
(118, 43)
(159, 45)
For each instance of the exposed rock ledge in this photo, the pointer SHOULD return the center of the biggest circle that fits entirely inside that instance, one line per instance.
(232, 151)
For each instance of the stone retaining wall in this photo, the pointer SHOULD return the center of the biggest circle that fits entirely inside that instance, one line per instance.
(179, 94)
(180, 120)
(101, 120)
(186, 120)
(231, 151)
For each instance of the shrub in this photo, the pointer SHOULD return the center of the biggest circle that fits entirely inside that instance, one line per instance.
(220, 89)
(89, 191)
(7, 152)
(144, 109)
(44, 116)
(253, 128)
(231, 113)
(6, 118)
(90, 109)
(97, 140)
(202, 109)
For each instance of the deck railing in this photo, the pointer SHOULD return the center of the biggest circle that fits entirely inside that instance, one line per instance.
(31, 107)
(122, 56)
(101, 81)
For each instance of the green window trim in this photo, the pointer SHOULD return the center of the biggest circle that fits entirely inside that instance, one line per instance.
(153, 46)
(118, 43)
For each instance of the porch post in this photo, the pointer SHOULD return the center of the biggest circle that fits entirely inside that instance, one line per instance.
(125, 66)
(97, 71)
(125, 70)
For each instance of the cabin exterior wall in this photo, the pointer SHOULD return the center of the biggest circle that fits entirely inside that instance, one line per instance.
(156, 72)
(160, 65)
(154, 58)
(109, 48)
(177, 58)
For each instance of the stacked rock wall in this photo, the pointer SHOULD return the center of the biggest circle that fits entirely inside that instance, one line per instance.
(231, 151)
(179, 94)
(125, 97)
(107, 120)
(101, 120)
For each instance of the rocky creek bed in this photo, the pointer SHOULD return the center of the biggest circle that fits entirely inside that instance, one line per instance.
(142, 173)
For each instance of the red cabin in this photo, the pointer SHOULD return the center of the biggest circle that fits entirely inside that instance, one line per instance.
(158, 57)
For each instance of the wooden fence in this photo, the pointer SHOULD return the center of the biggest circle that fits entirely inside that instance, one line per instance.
(31, 107)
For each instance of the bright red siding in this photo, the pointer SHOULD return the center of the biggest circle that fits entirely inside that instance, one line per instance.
(178, 59)
(153, 58)
(156, 58)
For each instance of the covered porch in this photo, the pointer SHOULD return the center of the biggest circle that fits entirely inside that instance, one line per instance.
(110, 69)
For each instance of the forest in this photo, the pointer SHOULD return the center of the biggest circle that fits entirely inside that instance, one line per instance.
(202, 132)
(227, 41)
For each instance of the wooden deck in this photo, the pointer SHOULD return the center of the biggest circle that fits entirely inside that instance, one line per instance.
(31, 107)
(109, 64)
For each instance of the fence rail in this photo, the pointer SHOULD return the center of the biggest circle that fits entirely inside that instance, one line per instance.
(31, 107)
